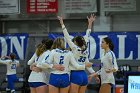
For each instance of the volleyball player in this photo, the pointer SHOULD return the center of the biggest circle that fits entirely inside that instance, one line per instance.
(59, 80)
(109, 65)
(37, 79)
(79, 79)
(12, 64)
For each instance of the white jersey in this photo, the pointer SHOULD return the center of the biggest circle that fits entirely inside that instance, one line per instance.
(108, 61)
(65, 58)
(80, 56)
(38, 76)
(11, 66)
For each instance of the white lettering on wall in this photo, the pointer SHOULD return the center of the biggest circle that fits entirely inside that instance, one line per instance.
(18, 47)
(3, 46)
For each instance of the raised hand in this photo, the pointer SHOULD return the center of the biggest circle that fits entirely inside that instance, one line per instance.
(92, 18)
(60, 18)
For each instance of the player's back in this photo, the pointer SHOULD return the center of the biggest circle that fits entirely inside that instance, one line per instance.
(11, 66)
(61, 57)
(80, 56)
(38, 76)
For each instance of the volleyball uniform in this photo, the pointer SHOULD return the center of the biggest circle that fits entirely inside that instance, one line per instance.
(11, 72)
(108, 61)
(78, 76)
(59, 78)
(37, 79)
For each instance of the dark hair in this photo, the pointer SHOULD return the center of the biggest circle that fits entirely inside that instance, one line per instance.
(58, 43)
(12, 56)
(48, 42)
(44, 40)
(40, 49)
(109, 42)
(80, 42)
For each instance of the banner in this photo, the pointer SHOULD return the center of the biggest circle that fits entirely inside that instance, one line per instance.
(80, 6)
(119, 5)
(42, 6)
(16, 43)
(9, 7)
(127, 44)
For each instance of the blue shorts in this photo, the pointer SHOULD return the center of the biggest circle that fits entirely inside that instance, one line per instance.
(59, 80)
(79, 77)
(11, 79)
(36, 84)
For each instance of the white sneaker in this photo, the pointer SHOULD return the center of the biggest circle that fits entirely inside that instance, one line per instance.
(21, 79)
(13, 91)
(7, 89)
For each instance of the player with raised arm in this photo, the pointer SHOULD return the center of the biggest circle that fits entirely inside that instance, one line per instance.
(12, 64)
(59, 80)
(79, 79)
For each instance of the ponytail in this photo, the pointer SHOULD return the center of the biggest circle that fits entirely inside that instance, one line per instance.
(80, 42)
(40, 49)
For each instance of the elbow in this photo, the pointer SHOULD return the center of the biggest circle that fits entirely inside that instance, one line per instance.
(116, 68)
(29, 63)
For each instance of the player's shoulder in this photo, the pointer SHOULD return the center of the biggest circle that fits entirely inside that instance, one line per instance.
(110, 53)
(66, 51)
(53, 50)
(47, 52)
(69, 52)
(16, 61)
(8, 60)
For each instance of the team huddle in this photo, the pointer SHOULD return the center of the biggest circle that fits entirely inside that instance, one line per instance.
(55, 69)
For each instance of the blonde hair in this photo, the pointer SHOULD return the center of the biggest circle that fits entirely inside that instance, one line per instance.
(58, 43)
(40, 49)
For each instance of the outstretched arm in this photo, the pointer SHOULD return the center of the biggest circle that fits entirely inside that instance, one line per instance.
(66, 34)
(4, 61)
(90, 19)
(92, 72)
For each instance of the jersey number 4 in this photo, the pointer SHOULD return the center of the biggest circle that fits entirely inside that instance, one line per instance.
(61, 60)
(82, 59)
(13, 66)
